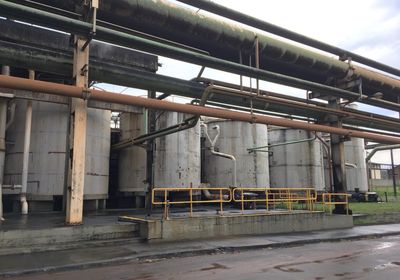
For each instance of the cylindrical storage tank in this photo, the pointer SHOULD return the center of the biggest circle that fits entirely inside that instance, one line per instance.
(177, 156)
(356, 168)
(47, 162)
(295, 165)
(132, 160)
(234, 139)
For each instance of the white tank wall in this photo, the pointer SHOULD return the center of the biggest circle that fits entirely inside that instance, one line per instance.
(177, 156)
(296, 165)
(354, 151)
(132, 160)
(235, 138)
(47, 151)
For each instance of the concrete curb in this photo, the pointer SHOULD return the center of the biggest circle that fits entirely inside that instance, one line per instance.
(191, 253)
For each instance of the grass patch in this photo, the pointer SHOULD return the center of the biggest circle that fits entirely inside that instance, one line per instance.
(375, 208)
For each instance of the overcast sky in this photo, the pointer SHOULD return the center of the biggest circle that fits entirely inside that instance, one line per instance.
(368, 27)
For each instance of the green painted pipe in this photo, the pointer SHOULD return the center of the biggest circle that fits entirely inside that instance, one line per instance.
(225, 40)
(20, 12)
(220, 10)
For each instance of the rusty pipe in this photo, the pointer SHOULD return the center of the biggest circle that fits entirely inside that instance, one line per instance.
(77, 92)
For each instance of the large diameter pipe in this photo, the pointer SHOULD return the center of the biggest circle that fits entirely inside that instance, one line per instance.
(46, 61)
(73, 91)
(220, 10)
(131, 41)
(223, 39)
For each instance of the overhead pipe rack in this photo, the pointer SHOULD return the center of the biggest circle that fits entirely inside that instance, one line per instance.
(343, 54)
(62, 23)
(78, 92)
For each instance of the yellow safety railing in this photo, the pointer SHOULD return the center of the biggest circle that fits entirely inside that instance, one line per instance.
(273, 196)
(343, 200)
(218, 195)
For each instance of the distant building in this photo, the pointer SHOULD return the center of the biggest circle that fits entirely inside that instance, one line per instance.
(381, 174)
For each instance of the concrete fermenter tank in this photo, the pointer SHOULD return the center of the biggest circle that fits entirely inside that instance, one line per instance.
(296, 165)
(356, 168)
(177, 156)
(132, 160)
(234, 139)
(47, 162)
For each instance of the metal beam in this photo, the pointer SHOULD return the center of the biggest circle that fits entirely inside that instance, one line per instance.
(128, 40)
(78, 92)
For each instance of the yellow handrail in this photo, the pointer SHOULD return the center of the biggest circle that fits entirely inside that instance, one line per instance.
(329, 201)
(277, 195)
(164, 192)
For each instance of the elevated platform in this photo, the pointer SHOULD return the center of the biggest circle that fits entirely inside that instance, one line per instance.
(233, 223)
(41, 232)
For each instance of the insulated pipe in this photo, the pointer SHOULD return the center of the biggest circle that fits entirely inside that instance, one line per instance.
(255, 149)
(46, 61)
(224, 39)
(327, 149)
(106, 96)
(131, 41)
(12, 115)
(352, 165)
(25, 159)
(220, 10)
(212, 149)
(380, 148)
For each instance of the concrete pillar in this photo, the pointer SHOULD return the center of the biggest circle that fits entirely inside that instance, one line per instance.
(74, 209)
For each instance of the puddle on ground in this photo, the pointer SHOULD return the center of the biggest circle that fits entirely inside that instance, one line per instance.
(382, 266)
(215, 266)
(384, 245)
(285, 268)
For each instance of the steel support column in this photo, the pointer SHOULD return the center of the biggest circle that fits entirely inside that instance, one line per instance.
(338, 160)
(74, 210)
(151, 127)
(393, 173)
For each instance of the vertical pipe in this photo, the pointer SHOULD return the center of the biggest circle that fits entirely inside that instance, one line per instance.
(393, 173)
(257, 46)
(5, 70)
(25, 158)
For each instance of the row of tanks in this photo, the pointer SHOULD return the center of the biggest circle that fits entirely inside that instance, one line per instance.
(271, 156)
(265, 156)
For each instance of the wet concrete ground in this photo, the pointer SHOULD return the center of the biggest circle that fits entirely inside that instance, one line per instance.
(122, 251)
(364, 259)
